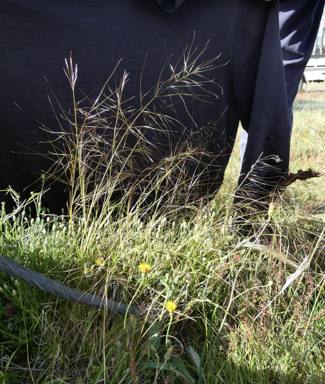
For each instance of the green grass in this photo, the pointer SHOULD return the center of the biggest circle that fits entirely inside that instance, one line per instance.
(234, 322)
(308, 145)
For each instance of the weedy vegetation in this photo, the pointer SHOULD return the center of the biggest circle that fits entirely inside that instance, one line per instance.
(219, 304)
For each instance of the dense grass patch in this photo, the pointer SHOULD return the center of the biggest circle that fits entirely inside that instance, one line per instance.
(220, 304)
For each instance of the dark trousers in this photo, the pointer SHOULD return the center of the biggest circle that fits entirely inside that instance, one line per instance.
(299, 22)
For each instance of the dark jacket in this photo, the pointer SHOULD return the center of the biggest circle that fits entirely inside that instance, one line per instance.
(246, 81)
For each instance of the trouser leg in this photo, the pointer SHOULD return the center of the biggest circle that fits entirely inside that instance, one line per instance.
(298, 23)
(268, 126)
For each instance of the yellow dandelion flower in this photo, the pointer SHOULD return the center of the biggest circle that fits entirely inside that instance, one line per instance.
(171, 306)
(145, 268)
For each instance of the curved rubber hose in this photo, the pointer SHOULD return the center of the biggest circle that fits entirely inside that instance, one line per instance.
(45, 284)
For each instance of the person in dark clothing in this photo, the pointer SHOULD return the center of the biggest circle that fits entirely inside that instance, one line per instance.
(247, 79)
(299, 22)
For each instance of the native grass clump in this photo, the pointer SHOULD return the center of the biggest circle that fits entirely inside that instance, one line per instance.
(223, 297)
(137, 150)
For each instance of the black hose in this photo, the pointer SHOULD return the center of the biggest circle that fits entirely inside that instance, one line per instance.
(45, 284)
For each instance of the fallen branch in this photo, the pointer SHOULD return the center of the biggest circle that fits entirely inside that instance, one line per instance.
(292, 177)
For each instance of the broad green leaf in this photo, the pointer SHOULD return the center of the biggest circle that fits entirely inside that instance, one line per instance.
(180, 367)
(154, 335)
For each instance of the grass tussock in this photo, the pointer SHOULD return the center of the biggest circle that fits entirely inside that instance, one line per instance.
(219, 303)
